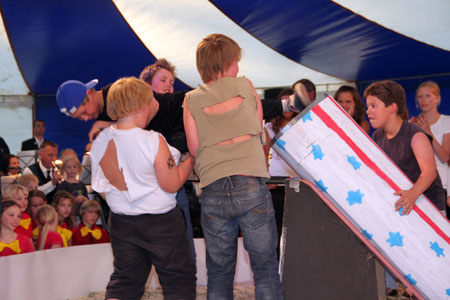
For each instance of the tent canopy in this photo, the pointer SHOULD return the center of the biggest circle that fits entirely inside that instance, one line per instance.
(45, 43)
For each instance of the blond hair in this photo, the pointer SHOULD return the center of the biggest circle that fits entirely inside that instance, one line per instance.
(45, 216)
(126, 96)
(215, 54)
(66, 152)
(433, 86)
(25, 179)
(67, 159)
(12, 190)
(90, 205)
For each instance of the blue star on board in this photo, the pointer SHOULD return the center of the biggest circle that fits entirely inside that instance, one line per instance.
(367, 234)
(400, 211)
(320, 185)
(447, 291)
(307, 117)
(410, 279)
(395, 239)
(317, 151)
(354, 197)
(435, 247)
(355, 163)
(280, 143)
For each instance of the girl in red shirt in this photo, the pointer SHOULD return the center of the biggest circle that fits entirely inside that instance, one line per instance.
(47, 222)
(63, 202)
(10, 242)
(19, 194)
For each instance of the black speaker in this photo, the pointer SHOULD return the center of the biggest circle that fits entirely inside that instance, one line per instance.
(321, 257)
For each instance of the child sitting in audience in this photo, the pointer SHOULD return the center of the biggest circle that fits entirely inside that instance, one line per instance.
(63, 204)
(405, 143)
(87, 231)
(11, 242)
(72, 169)
(36, 199)
(29, 181)
(48, 238)
(19, 194)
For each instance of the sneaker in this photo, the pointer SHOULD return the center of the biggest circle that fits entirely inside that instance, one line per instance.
(300, 99)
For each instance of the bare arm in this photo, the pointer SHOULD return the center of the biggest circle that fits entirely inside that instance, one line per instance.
(425, 158)
(96, 128)
(170, 176)
(442, 151)
(190, 127)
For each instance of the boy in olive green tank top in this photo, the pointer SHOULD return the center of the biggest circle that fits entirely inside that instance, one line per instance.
(223, 124)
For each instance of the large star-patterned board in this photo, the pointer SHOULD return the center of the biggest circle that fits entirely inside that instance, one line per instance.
(325, 146)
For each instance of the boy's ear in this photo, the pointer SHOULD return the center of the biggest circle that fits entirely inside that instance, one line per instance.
(393, 108)
(89, 93)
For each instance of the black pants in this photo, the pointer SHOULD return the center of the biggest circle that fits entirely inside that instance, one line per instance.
(138, 242)
(278, 195)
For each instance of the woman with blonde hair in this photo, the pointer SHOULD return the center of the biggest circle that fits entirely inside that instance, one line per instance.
(428, 97)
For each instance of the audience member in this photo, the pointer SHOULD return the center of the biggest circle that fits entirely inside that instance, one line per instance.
(232, 169)
(44, 170)
(160, 76)
(4, 151)
(148, 171)
(405, 143)
(13, 166)
(19, 194)
(436, 125)
(63, 202)
(11, 242)
(348, 97)
(38, 137)
(87, 232)
(36, 199)
(72, 169)
(66, 152)
(47, 222)
(29, 181)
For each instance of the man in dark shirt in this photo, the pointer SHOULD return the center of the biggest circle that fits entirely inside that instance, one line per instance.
(45, 171)
(82, 101)
(38, 137)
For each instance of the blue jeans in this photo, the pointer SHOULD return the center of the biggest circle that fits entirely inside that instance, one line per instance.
(183, 204)
(242, 202)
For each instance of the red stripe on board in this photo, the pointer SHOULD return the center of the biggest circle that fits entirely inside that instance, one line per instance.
(368, 162)
(333, 126)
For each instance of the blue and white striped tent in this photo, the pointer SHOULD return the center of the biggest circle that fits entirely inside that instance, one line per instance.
(44, 43)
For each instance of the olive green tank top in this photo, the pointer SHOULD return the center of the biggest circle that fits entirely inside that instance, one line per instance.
(243, 158)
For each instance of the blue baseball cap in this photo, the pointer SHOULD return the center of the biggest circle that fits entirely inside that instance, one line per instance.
(71, 94)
